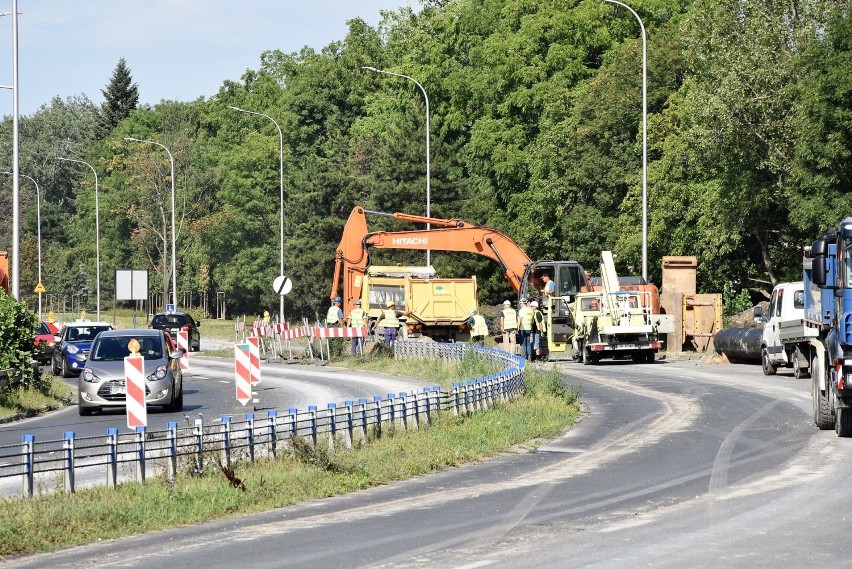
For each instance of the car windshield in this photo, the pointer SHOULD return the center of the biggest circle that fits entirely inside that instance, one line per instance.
(84, 333)
(169, 320)
(43, 329)
(115, 348)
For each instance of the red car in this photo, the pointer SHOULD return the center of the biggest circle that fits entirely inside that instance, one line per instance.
(44, 342)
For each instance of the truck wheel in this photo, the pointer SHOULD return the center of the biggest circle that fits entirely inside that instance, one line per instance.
(587, 357)
(843, 423)
(768, 368)
(798, 371)
(822, 411)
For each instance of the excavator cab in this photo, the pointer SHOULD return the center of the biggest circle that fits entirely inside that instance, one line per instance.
(570, 279)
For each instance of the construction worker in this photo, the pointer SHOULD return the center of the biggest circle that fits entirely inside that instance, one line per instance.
(335, 314)
(539, 328)
(478, 328)
(357, 319)
(390, 323)
(509, 327)
(549, 288)
(525, 322)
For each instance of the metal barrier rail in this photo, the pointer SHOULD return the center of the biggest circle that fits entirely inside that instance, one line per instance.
(224, 441)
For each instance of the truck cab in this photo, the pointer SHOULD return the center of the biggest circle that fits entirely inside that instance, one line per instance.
(784, 327)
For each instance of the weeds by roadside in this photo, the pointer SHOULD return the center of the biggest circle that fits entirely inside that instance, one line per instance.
(45, 394)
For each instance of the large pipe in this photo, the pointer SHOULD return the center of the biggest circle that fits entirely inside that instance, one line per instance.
(739, 344)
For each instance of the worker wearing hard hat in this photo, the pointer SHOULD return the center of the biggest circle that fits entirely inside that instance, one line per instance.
(539, 327)
(509, 327)
(478, 328)
(390, 322)
(525, 322)
(357, 319)
(335, 314)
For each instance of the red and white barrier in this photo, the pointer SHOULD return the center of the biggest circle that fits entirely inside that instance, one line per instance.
(254, 359)
(183, 344)
(134, 382)
(346, 332)
(242, 375)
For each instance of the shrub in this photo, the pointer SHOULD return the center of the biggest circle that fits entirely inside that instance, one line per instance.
(17, 329)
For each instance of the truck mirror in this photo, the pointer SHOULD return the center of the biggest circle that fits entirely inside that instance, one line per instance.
(819, 248)
(758, 314)
(818, 270)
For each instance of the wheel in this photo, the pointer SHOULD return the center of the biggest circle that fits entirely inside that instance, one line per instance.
(85, 411)
(176, 404)
(843, 422)
(822, 410)
(649, 358)
(65, 372)
(587, 356)
(799, 372)
(768, 368)
(53, 367)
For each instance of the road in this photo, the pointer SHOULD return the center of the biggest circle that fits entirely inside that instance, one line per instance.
(675, 464)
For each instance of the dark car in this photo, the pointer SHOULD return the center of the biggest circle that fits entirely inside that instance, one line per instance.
(102, 382)
(174, 322)
(45, 341)
(72, 349)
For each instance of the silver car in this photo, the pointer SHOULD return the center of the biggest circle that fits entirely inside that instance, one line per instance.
(102, 381)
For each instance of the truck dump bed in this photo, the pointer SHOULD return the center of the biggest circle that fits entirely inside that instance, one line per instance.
(444, 302)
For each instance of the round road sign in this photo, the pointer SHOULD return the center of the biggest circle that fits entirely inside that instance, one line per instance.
(282, 285)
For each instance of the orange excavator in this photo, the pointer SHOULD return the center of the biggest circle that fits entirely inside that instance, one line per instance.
(523, 274)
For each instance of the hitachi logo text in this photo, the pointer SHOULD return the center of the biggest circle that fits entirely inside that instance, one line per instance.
(410, 241)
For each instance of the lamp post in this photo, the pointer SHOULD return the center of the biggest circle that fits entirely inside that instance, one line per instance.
(644, 138)
(428, 189)
(174, 236)
(15, 280)
(281, 184)
(38, 230)
(97, 231)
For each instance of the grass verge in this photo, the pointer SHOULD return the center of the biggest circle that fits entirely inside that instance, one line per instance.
(46, 393)
(57, 520)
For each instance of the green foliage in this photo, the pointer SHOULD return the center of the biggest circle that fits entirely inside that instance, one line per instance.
(734, 302)
(17, 329)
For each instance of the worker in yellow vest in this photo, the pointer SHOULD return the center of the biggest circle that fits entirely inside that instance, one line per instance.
(509, 327)
(478, 328)
(357, 319)
(334, 317)
(525, 324)
(390, 323)
(539, 328)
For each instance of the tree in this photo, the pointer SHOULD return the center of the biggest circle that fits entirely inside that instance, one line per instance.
(120, 97)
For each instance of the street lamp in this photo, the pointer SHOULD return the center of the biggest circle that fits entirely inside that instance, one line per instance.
(38, 229)
(428, 190)
(281, 182)
(97, 231)
(644, 138)
(174, 237)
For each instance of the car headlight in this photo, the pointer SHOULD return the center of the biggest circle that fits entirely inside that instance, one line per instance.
(72, 349)
(89, 376)
(159, 373)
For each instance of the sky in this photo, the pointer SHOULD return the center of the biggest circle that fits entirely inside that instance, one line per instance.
(175, 49)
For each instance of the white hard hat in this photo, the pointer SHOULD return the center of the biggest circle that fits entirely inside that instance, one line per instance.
(534, 304)
(507, 303)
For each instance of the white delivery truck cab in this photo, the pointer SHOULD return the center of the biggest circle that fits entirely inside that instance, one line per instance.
(784, 330)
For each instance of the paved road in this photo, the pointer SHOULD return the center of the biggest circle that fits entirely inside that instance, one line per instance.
(674, 465)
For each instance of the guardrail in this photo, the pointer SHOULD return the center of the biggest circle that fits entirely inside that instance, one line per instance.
(137, 455)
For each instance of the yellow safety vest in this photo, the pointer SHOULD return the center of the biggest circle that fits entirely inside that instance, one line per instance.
(510, 319)
(333, 315)
(480, 327)
(356, 318)
(525, 315)
(390, 320)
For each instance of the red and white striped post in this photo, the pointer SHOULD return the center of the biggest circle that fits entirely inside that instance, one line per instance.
(254, 356)
(183, 344)
(242, 375)
(134, 381)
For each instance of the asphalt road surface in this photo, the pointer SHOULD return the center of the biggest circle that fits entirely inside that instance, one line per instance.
(675, 465)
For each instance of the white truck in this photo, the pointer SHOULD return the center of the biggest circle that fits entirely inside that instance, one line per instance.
(785, 336)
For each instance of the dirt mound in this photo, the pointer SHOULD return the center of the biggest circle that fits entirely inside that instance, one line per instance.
(745, 319)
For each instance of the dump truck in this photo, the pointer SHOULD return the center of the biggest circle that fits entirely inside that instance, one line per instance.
(436, 308)
(612, 323)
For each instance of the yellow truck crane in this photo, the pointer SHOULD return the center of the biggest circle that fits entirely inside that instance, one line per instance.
(615, 323)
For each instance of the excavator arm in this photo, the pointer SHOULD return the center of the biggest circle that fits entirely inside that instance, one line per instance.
(453, 235)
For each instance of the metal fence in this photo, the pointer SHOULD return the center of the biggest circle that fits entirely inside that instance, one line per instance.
(120, 457)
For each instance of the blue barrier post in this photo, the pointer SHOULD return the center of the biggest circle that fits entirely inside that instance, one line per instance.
(250, 435)
(140, 454)
(27, 464)
(427, 392)
(68, 451)
(172, 451)
(312, 409)
(392, 409)
(363, 403)
(294, 421)
(403, 398)
(332, 424)
(272, 417)
(349, 425)
(455, 398)
(112, 457)
(377, 399)
(198, 433)
(226, 440)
